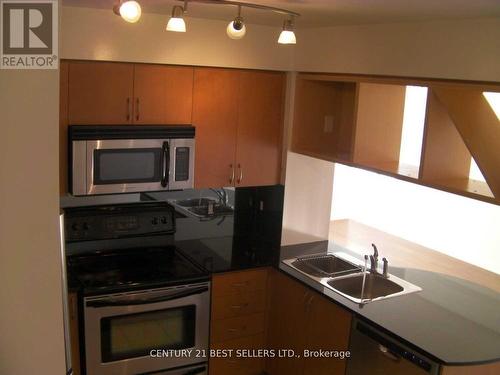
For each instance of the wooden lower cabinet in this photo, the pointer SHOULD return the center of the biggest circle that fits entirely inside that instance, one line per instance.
(487, 369)
(301, 319)
(238, 321)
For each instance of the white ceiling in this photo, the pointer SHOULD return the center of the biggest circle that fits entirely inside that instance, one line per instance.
(316, 13)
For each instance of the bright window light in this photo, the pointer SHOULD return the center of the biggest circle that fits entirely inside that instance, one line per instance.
(460, 227)
(493, 99)
(413, 125)
(475, 172)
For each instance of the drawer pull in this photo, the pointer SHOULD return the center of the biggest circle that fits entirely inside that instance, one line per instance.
(232, 330)
(239, 285)
(239, 306)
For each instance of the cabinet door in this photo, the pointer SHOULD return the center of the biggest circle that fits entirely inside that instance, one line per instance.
(328, 328)
(215, 115)
(162, 94)
(260, 123)
(287, 322)
(100, 93)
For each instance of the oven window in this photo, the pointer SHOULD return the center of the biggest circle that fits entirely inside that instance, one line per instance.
(135, 335)
(124, 166)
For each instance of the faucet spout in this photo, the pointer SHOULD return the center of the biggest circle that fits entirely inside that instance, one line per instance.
(374, 259)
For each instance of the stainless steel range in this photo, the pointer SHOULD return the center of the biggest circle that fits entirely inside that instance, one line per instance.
(145, 304)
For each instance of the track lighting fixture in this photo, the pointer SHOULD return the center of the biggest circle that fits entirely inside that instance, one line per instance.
(130, 11)
(287, 35)
(176, 22)
(236, 28)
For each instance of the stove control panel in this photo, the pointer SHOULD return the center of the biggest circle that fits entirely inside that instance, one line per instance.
(119, 221)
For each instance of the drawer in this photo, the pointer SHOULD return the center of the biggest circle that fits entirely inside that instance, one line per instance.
(235, 365)
(238, 305)
(238, 282)
(232, 328)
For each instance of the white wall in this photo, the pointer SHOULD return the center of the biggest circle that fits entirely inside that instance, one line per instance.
(464, 228)
(308, 194)
(31, 325)
(457, 49)
(97, 34)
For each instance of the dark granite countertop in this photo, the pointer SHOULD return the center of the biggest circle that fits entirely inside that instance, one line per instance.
(451, 320)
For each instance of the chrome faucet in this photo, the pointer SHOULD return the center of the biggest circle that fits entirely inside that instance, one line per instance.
(374, 259)
(222, 194)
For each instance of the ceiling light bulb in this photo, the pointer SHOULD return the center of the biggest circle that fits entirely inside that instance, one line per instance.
(130, 11)
(236, 29)
(176, 22)
(287, 36)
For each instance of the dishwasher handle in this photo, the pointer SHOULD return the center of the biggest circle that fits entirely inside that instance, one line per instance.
(392, 350)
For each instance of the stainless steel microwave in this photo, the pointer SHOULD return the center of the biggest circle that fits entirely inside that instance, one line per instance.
(112, 159)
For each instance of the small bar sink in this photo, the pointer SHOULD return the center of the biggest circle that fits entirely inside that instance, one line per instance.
(195, 202)
(376, 286)
(325, 266)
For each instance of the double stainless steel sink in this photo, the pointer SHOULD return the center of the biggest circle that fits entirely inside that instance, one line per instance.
(349, 279)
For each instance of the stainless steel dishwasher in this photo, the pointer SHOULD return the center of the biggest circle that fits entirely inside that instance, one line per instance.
(376, 353)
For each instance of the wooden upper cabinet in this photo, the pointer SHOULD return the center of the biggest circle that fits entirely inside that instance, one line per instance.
(100, 93)
(260, 123)
(162, 94)
(215, 116)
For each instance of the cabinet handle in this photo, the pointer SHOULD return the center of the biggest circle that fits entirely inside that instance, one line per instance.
(308, 304)
(231, 178)
(385, 351)
(240, 178)
(239, 285)
(128, 109)
(237, 307)
(137, 109)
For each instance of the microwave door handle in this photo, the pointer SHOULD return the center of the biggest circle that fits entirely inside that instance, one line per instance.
(145, 301)
(166, 164)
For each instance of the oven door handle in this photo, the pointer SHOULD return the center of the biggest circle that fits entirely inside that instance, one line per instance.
(144, 301)
(166, 164)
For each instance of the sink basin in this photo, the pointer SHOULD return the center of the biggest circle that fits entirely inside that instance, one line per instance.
(324, 266)
(376, 286)
(342, 274)
(198, 207)
(218, 210)
(195, 202)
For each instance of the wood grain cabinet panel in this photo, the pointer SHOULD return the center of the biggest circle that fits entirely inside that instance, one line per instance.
(238, 320)
(100, 93)
(241, 326)
(215, 116)
(162, 94)
(244, 365)
(325, 315)
(260, 123)
(301, 319)
(238, 304)
(239, 282)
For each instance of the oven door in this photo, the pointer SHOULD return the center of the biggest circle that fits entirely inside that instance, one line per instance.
(123, 332)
